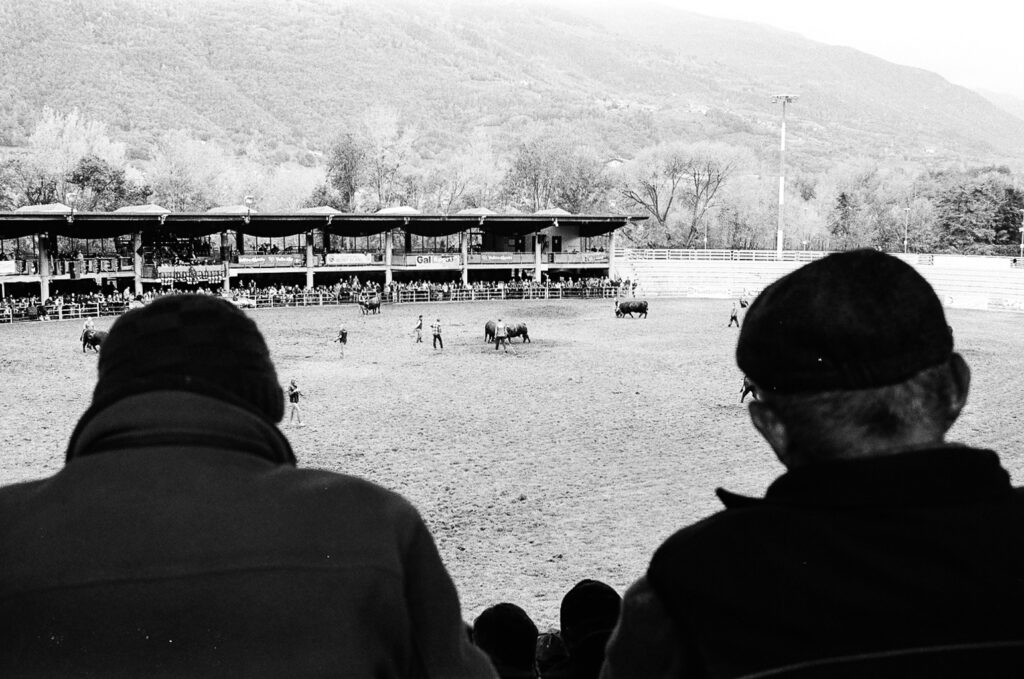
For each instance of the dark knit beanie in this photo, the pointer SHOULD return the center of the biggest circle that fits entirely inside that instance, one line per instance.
(590, 607)
(853, 320)
(508, 635)
(195, 343)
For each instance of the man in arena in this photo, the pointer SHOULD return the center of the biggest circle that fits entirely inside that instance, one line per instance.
(883, 550)
(180, 539)
(500, 335)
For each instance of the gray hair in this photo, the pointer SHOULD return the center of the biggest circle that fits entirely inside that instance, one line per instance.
(836, 424)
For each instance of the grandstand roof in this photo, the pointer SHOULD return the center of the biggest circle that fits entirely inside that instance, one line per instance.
(26, 222)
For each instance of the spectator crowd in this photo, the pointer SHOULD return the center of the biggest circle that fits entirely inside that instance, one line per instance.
(77, 305)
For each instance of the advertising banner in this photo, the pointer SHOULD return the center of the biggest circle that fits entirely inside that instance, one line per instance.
(498, 257)
(335, 258)
(191, 275)
(270, 260)
(433, 260)
(8, 267)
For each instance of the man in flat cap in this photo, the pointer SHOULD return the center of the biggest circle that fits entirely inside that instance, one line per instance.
(882, 550)
(180, 539)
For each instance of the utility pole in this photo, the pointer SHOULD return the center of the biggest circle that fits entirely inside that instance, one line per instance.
(784, 99)
(906, 228)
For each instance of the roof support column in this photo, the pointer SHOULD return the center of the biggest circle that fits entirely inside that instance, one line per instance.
(612, 271)
(137, 261)
(464, 247)
(43, 267)
(309, 260)
(537, 252)
(388, 249)
(225, 256)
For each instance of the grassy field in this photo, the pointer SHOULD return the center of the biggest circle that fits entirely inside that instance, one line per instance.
(573, 457)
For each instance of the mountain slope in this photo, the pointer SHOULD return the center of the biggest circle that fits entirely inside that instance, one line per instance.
(296, 73)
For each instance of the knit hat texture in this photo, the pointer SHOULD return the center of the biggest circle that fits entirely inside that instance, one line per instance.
(195, 343)
(852, 320)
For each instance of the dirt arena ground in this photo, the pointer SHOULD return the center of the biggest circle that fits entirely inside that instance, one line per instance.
(573, 457)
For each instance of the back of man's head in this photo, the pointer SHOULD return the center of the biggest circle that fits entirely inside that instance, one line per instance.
(508, 635)
(590, 607)
(195, 343)
(851, 354)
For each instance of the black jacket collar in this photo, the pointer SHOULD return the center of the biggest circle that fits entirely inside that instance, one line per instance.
(936, 476)
(177, 418)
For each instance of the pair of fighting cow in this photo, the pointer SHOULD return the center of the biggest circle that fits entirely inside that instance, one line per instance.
(511, 330)
(369, 304)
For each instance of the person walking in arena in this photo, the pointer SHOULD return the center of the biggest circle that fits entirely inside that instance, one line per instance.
(342, 340)
(419, 330)
(436, 329)
(294, 393)
(734, 316)
(845, 566)
(500, 335)
(181, 539)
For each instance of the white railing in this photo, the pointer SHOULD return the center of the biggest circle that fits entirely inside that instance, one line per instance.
(266, 300)
(722, 255)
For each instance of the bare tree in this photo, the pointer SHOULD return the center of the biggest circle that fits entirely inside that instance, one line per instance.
(706, 169)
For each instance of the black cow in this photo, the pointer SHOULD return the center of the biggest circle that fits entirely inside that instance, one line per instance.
(489, 328)
(518, 330)
(371, 305)
(630, 307)
(93, 338)
(748, 388)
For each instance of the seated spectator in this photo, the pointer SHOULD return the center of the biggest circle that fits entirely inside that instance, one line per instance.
(551, 654)
(588, 614)
(882, 550)
(180, 539)
(506, 633)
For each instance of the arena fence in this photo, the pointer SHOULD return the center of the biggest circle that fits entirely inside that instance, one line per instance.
(267, 300)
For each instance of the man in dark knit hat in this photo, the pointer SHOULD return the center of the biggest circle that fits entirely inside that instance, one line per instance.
(882, 550)
(180, 539)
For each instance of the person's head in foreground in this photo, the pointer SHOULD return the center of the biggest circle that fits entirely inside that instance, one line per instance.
(509, 637)
(180, 539)
(852, 357)
(883, 550)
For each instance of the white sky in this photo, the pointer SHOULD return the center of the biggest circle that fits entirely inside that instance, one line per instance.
(975, 43)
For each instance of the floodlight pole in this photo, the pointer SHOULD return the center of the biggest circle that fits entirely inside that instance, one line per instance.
(784, 99)
(1022, 234)
(906, 228)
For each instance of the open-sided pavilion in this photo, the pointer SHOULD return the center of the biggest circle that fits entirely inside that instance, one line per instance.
(535, 244)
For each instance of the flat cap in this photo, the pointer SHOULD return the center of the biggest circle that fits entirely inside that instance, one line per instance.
(852, 320)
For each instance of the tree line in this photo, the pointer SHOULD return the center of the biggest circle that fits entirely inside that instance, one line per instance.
(695, 193)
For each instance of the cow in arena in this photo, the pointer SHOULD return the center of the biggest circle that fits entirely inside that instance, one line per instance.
(489, 328)
(93, 338)
(747, 388)
(370, 305)
(631, 307)
(518, 330)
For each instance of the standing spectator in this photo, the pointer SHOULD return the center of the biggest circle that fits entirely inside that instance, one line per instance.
(882, 550)
(293, 398)
(500, 335)
(419, 330)
(342, 340)
(436, 328)
(180, 539)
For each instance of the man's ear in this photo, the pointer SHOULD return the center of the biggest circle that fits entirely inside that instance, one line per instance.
(961, 385)
(772, 429)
